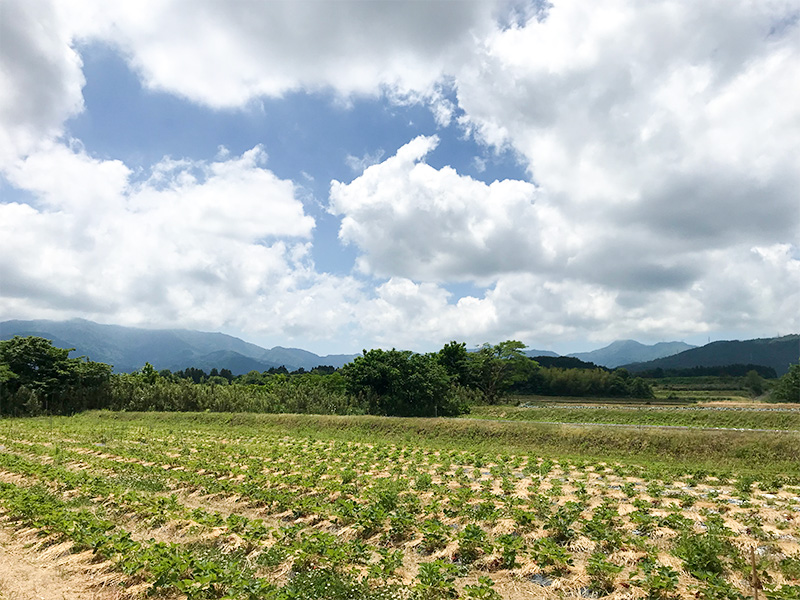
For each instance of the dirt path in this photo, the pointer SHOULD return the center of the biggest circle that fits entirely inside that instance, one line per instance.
(50, 574)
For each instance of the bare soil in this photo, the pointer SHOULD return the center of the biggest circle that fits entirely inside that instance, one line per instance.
(30, 572)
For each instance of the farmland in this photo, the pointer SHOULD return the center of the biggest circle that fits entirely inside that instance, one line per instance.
(204, 505)
(763, 417)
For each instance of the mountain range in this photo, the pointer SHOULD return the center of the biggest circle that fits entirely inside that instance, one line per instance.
(624, 352)
(778, 353)
(128, 348)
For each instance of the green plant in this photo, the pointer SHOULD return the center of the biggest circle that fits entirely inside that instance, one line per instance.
(510, 546)
(659, 581)
(472, 543)
(423, 482)
(435, 535)
(784, 592)
(435, 581)
(560, 522)
(602, 573)
(790, 566)
(388, 563)
(703, 555)
(483, 590)
(714, 587)
(546, 553)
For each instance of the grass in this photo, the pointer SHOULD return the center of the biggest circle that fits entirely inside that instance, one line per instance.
(645, 415)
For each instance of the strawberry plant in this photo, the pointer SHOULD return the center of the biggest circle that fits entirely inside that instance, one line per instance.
(602, 573)
(472, 543)
(659, 582)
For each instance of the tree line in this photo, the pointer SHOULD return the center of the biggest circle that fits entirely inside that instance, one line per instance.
(39, 378)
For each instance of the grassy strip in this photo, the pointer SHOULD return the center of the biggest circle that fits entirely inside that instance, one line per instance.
(731, 419)
(713, 450)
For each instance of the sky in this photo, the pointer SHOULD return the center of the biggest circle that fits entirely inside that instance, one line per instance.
(339, 175)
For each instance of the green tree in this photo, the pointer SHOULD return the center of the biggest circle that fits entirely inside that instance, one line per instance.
(401, 383)
(497, 368)
(38, 376)
(456, 361)
(754, 382)
(788, 387)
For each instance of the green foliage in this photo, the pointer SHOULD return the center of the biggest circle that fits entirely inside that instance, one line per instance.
(659, 581)
(601, 573)
(549, 555)
(784, 592)
(790, 566)
(510, 546)
(435, 535)
(38, 377)
(401, 383)
(497, 368)
(755, 383)
(788, 387)
(598, 382)
(483, 590)
(714, 587)
(436, 581)
(703, 555)
(473, 542)
(457, 362)
(561, 521)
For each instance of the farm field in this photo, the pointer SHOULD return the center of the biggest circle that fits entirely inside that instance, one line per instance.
(723, 415)
(201, 505)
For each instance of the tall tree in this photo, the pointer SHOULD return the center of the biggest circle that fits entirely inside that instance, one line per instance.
(41, 377)
(497, 368)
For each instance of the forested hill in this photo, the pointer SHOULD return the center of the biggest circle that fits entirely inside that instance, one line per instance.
(129, 348)
(777, 353)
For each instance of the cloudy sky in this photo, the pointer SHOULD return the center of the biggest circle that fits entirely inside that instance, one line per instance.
(340, 175)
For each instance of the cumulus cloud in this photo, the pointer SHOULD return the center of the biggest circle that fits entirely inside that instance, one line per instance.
(660, 139)
(40, 76)
(415, 221)
(224, 54)
(680, 116)
(200, 244)
(406, 314)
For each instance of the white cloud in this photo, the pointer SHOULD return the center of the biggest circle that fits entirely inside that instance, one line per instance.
(406, 314)
(415, 221)
(224, 54)
(662, 138)
(681, 110)
(197, 244)
(40, 76)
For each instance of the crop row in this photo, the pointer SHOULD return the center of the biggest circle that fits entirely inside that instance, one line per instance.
(391, 520)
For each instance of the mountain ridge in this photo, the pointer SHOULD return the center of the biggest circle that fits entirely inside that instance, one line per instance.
(622, 352)
(778, 353)
(129, 348)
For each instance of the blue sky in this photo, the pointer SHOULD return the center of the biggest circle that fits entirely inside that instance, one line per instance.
(343, 175)
(307, 136)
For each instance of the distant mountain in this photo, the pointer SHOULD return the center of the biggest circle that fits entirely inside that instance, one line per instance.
(128, 348)
(629, 351)
(777, 353)
(535, 353)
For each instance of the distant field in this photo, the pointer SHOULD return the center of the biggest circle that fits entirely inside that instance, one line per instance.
(302, 507)
(689, 393)
(727, 417)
